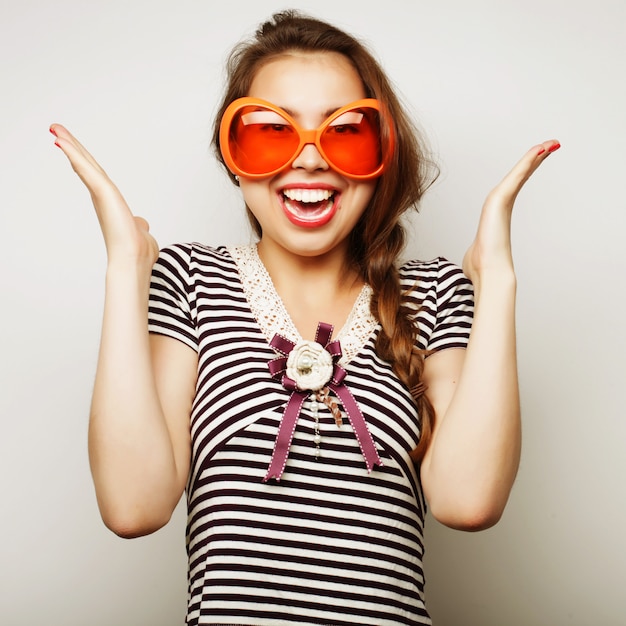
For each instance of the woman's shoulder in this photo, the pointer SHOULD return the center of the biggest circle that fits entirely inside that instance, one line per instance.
(186, 255)
(436, 271)
(185, 263)
(195, 250)
(435, 284)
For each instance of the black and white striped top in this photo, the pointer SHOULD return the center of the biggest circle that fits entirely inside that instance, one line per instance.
(330, 543)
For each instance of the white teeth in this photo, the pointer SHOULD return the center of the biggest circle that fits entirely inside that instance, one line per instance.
(308, 195)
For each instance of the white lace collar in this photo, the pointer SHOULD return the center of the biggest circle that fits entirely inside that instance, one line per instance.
(272, 317)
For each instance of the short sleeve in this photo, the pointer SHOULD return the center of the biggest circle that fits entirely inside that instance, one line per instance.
(171, 310)
(443, 298)
(455, 308)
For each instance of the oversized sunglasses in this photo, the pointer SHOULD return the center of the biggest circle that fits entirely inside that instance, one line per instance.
(259, 139)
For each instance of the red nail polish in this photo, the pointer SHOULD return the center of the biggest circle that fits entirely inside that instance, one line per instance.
(556, 146)
(56, 143)
(52, 131)
(541, 151)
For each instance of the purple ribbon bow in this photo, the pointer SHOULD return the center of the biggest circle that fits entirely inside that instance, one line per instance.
(278, 369)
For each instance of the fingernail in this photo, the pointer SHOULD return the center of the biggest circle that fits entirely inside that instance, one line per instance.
(56, 143)
(52, 131)
(541, 151)
(556, 146)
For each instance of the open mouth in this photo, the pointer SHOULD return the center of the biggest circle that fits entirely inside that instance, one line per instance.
(309, 208)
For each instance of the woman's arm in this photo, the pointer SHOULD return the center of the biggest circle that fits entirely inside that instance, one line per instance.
(139, 434)
(472, 460)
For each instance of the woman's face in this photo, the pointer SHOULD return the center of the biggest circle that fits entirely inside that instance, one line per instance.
(309, 209)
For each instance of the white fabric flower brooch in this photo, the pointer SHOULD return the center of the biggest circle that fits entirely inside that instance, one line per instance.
(309, 365)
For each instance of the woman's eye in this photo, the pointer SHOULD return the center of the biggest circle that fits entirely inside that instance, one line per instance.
(276, 127)
(345, 129)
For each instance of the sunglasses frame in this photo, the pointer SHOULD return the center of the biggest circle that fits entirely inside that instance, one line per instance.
(306, 136)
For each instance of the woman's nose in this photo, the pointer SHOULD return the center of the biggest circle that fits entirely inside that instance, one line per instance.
(310, 159)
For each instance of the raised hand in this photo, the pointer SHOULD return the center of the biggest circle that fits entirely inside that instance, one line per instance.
(491, 249)
(126, 237)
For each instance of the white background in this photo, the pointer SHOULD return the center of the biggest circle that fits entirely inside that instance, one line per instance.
(138, 82)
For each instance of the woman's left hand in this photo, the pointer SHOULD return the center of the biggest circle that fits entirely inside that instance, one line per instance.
(491, 249)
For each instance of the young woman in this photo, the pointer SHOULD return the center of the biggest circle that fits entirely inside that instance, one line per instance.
(309, 392)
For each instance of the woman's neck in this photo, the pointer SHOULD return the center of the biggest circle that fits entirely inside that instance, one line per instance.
(330, 271)
(321, 288)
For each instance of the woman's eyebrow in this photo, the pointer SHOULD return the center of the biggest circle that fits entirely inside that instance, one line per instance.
(325, 114)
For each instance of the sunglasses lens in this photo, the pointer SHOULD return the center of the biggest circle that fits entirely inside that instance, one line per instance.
(352, 141)
(261, 140)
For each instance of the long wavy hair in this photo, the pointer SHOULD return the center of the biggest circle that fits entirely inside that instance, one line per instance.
(379, 237)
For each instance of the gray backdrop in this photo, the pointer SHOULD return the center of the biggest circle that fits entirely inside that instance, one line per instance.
(138, 82)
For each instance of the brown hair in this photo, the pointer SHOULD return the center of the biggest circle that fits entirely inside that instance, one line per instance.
(379, 237)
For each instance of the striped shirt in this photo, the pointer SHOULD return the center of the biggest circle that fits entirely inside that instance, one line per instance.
(329, 543)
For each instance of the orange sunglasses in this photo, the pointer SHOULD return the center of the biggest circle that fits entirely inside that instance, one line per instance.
(259, 139)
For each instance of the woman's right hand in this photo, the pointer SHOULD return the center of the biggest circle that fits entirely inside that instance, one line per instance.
(127, 238)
